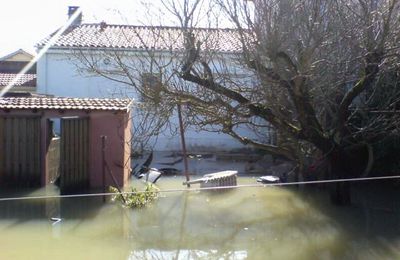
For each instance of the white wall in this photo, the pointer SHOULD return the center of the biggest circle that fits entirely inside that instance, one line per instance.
(58, 74)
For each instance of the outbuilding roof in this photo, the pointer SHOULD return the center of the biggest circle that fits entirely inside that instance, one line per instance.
(63, 103)
(103, 35)
(26, 55)
(25, 80)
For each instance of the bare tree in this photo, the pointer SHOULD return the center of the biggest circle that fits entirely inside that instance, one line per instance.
(308, 77)
(322, 67)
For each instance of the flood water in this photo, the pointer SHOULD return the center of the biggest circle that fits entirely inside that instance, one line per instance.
(245, 223)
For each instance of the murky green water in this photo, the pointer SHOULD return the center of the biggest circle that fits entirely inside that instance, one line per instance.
(248, 223)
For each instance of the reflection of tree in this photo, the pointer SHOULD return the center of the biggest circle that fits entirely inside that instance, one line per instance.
(182, 223)
(182, 234)
(202, 225)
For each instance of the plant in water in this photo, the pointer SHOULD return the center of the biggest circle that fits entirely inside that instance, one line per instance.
(136, 198)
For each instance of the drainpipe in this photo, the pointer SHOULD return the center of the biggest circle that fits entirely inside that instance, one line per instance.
(103, 157)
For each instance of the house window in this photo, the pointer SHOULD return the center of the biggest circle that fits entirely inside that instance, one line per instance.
(152, 86)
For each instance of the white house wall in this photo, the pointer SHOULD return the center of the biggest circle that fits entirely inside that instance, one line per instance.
(58, 75)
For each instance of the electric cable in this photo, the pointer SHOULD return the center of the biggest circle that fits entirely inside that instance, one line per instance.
(256, 185)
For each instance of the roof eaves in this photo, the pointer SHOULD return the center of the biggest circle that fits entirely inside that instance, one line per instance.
(43, 103)
(20, 51)
(122, 49)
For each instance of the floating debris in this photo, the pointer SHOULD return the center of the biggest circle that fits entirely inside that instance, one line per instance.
(152, 175)
(170, 171)
(55, 220)
(144, 168)
(218, 179)
(269, 179)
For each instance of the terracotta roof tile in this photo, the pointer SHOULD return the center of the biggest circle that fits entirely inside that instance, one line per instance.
(26, 80)
(109, 104)
(143, 37)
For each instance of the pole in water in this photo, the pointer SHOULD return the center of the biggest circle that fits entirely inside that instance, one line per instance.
(103, 159)
(182, 131)
(115, 182)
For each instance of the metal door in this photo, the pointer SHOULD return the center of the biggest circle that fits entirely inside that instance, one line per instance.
(74, 155)
(20, 164)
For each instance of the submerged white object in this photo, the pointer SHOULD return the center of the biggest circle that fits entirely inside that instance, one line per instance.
(153, 175)
(269, 179)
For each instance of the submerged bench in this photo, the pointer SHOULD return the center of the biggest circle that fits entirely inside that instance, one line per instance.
(218, 179)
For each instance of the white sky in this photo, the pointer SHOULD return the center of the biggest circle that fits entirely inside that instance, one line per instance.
(23, 23)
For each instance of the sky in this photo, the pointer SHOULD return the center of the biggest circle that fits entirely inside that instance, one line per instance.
(23, 23)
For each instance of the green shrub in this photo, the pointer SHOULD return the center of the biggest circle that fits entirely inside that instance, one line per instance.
(135, 198)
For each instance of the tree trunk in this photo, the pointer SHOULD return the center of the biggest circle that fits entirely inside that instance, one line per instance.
(339, 191)
(340, 194)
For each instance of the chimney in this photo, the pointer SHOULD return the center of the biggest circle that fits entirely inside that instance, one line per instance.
(71, 11)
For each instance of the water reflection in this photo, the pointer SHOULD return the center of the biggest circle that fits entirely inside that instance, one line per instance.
(262, 224)
(187, 254)
(38, 209)
(252, 223)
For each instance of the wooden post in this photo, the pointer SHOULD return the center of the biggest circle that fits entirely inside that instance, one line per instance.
(103, 157)
(106, 167)
(182, 131)
(115, 182)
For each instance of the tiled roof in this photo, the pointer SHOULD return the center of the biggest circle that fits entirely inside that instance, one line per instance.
(143, 37)
(110, 104)
(25, 80)
(18, 52)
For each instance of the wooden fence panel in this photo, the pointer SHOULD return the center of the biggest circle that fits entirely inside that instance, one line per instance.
(2, 150)
(74, 176)
(36, 145)
(20, 150)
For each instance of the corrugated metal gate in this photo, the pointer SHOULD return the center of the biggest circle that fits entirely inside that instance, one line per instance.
(20, 151)
(74, 155)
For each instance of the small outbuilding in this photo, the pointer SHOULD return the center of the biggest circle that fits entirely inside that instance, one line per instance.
(91, 151)
(10, 68)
